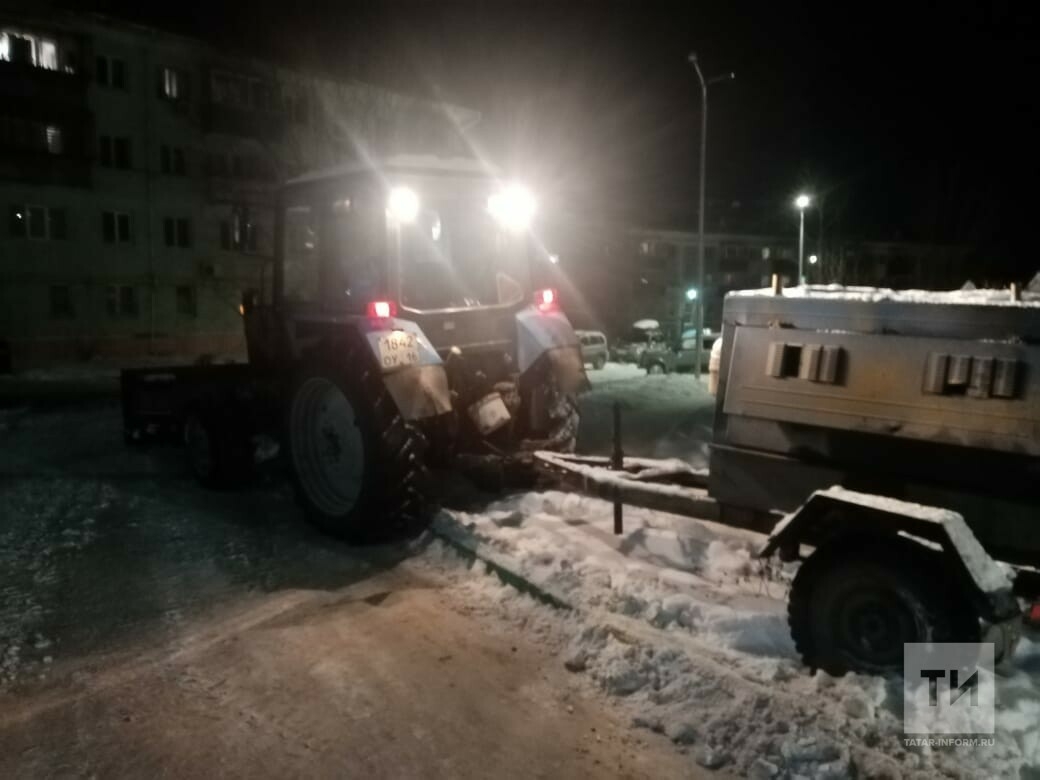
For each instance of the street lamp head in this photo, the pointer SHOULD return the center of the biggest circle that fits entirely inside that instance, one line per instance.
(802, 201)
(813, 259)
(691, 294)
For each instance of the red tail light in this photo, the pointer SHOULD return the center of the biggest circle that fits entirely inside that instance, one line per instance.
(382, 309)
(1033, 617)
(546, 300)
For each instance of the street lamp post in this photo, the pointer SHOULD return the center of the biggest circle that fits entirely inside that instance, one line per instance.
(700, 208)
(801, 203)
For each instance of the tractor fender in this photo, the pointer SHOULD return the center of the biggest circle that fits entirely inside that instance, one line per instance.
(550, 333)
(837, 516)
(419, 389)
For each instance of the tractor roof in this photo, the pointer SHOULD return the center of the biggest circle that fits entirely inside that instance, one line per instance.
(405, 163)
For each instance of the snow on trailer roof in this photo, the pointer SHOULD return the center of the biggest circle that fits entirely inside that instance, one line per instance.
(837, 292)
(402, 162)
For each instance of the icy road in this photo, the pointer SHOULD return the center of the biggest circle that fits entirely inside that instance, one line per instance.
(150, 627)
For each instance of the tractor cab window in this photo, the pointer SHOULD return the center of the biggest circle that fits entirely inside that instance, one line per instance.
(453, 255)
(334, 253)
(300, 275)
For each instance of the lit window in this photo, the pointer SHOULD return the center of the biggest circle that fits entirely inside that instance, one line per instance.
(47, 55)
(28, 49)
(174, 84)
(54, 143)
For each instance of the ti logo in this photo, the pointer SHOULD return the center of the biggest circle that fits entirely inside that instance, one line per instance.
(948, 688)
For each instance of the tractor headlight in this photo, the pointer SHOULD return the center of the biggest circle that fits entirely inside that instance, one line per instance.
(403, 205)
(513, 207)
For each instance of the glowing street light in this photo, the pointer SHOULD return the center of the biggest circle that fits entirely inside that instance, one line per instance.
(801, 203)
(691, 294)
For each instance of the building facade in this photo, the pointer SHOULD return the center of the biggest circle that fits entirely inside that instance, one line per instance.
(138, 176)
(612, 276)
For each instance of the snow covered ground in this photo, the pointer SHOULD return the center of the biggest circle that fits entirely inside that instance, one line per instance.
(677, 620)
(661, 416)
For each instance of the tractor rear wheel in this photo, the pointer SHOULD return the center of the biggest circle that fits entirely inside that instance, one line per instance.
(854, 604)
(357, 464)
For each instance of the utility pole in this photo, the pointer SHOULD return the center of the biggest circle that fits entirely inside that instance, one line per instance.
(801, 203)
(701, 296)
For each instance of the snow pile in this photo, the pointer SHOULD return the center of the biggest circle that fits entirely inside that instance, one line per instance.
(677, 620)
(964, 296)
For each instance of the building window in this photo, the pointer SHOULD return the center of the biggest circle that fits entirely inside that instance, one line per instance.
(173, 84)
(55, 144)
(61, 302)
(238, 234)
(114, 151)
(115, 227)
(121, 301)
(187, 302)
(172, 160)
(38, 222)
(177, 232)
(29, 49)
(229, 90)
(110, 72)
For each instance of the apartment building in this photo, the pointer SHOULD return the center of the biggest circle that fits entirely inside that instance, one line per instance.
(138, 175)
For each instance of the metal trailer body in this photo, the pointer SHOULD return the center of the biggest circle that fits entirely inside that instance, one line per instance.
(932, 399)
(891, 442)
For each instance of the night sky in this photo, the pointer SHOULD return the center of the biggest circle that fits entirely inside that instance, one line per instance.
(915, 121)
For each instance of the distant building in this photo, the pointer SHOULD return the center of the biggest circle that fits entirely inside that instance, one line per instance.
(612, 276)
(138, 173)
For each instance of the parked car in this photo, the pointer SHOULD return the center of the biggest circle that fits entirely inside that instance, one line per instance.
(660, 358)
(643, 334)
(593, 347)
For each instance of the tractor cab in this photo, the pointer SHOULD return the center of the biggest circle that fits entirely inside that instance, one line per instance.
(442, 250)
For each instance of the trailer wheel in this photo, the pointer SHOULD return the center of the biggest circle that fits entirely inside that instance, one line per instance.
(598, 362)
(357, 464)
(854, 604)
(215, 456)
(655, 369)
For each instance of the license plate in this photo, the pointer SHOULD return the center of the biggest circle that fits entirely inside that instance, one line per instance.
(398, 349)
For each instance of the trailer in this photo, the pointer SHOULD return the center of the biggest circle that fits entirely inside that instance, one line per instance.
(890, 441)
